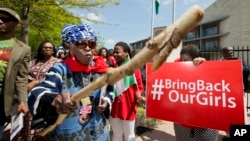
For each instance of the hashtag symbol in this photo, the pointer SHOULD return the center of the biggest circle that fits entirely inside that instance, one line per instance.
(157, 89)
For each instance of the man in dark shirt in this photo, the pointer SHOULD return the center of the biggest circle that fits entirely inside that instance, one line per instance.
(228, 54)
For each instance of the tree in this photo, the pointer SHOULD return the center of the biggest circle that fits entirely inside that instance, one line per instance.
(43, 19)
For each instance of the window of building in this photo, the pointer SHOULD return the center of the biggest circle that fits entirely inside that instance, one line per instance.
(192, 42)
(211, 29)
(190, 35)
(193, 34)
(210, 44)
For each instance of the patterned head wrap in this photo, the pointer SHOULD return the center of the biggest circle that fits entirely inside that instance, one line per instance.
(60, 49)
(72, 33)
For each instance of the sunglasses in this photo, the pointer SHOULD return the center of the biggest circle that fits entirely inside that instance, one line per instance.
(84, 44)
(45, 47)
(6, 20)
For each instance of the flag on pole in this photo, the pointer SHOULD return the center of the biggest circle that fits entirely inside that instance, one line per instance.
(123, 84)
(157, 5)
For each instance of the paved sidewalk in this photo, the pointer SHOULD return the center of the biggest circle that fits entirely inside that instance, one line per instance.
(165, 132)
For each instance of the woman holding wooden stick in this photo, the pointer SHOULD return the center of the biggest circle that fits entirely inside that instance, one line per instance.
(52, 96)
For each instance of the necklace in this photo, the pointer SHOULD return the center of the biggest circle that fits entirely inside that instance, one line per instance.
(88, 79)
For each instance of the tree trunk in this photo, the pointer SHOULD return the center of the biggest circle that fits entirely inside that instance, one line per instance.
(25, 24)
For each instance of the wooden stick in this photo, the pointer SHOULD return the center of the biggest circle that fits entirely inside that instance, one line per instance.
(162, 45)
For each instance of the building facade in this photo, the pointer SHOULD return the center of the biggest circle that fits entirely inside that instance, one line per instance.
(225, 23)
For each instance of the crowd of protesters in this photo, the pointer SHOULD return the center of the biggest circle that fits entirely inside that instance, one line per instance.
(41, 87)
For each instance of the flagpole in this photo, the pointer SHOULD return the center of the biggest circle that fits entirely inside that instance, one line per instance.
(173, 18)
(152, 19)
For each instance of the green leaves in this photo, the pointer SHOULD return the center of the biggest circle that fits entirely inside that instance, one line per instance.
(44, 19)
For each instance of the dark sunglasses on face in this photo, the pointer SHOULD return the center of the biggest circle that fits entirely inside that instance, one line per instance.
(84, 44)
(48, 47)
(6, 20)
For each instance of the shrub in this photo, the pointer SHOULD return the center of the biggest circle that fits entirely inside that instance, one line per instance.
(142, 120)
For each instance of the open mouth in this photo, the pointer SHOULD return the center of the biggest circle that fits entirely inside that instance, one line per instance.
(88, 55)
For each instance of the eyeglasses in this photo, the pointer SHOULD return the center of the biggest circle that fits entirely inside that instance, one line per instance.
(48, 47)
(6, 20)
(84, 44)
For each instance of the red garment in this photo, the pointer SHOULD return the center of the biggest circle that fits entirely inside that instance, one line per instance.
(113, 61)
(177, 60)
(75, 66)
(125, 105)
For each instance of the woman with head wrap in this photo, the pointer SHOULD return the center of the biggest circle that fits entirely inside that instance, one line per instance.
(61, 53)
(50, 97)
